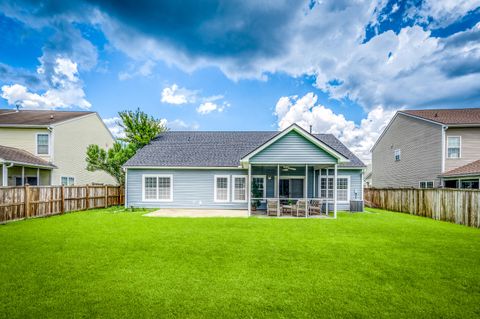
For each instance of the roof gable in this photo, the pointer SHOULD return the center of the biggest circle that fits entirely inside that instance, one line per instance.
(296, 135)
(468, 116)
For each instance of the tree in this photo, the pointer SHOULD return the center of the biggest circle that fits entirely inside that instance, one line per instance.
(139, 129)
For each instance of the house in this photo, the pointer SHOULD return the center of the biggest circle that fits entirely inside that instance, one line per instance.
(217, 170)
(429, 148)
(42, 147)
(367, 179)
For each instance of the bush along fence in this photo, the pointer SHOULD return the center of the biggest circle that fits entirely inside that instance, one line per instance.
(21, 202)
(458, 206)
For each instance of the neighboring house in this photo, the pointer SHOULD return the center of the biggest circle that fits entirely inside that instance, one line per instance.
(367, 179)
(50, 147)
(429, 148)
(213, 169)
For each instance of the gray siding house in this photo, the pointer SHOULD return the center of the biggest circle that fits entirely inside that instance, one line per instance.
(216, 170)
(428, 148)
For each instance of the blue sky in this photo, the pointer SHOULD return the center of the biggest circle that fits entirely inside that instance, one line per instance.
(343, 67)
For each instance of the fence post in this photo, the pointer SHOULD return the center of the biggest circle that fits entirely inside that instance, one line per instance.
(51, 200)
(87, 203)
(27, 201)
(106, 196)
(62, 199)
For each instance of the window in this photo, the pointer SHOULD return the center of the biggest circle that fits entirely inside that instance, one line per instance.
(426, 184)
(453, 146)
(42, 144)
(158, 188)
(469, 184)
(222, 188)
(239, 188)
(451, 183)
(259, 183)
(67, 180)
(397, 155)
(326, 186)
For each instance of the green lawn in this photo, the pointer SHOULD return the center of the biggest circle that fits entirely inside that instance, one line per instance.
(120, 264)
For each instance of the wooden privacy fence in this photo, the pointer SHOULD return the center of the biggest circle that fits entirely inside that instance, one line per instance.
(460, 206)
(20, 202)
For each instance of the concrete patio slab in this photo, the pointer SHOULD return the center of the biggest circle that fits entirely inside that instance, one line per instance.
(197, 213)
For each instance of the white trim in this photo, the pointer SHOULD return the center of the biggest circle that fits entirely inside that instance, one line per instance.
(249, 190)
(308, 136)
(125, 189)
(459, 147)
(215, 188)
(349, 190)
(444, 154)
(157, 176)
(264, 177)
(335, 195)
(4, 174)
(49, 143)
(245, 177)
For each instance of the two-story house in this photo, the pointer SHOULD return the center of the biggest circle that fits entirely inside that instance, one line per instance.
(429, 148)
(42, 147)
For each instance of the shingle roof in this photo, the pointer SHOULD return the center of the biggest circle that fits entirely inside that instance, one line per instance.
(11, 154)
(215, 149)
(37, 117)
(448, 116)
(472, 168)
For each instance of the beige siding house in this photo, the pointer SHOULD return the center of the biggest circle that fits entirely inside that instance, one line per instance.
(422, 148)
(57, 139)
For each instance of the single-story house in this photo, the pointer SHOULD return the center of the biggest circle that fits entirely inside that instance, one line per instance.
(229, 170)
(19, 167)
(466, 176)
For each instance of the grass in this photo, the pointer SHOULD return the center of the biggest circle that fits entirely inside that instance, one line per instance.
(103, 263)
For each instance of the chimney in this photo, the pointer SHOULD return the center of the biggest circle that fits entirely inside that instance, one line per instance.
(310, 129)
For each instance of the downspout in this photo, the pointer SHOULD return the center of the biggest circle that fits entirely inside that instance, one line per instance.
(444, 128)
(51, 151)
(5, 168)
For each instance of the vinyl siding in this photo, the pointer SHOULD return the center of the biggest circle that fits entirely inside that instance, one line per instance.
(70, 142)
(470, 147)
(195, 188)
(191, 188)
(24, 138)
(293, 148)
(421, 154)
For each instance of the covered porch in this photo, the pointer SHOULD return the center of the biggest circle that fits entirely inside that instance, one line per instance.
(294, 190)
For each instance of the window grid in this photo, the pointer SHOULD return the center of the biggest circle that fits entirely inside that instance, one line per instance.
(42, 143)
(239, 189)
(157, 188)
(150, 188)
(163, 188)
(221, 189)
(453, 146)
(326, 187)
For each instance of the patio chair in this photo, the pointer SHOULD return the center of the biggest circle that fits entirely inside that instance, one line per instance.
(272, 207)
(301, 208)
(315, 207)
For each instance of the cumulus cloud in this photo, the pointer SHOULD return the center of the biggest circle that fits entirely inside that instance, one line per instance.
(180, 125)
(178, 95)
(208, 107)
(65, 89)
(144, 69)
(113, 124)
(305, 111)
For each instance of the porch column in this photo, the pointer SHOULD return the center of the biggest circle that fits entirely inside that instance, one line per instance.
(335, 192)
(249, 188)
(306, 190)
(278, 190)
(38, 176)
(23, 175)
(314, 195)
(4, 175)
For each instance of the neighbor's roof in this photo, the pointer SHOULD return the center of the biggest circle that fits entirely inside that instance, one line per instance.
(37, 117)
(11, 154)
(472, 168)
(448, 116)
(216, 149)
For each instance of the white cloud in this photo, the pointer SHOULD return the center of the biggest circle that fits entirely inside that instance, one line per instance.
(178, 95)
(180, 125)
(208, 107)
(145, 69)
(305, 112)
(65, 89)
(113, 125)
